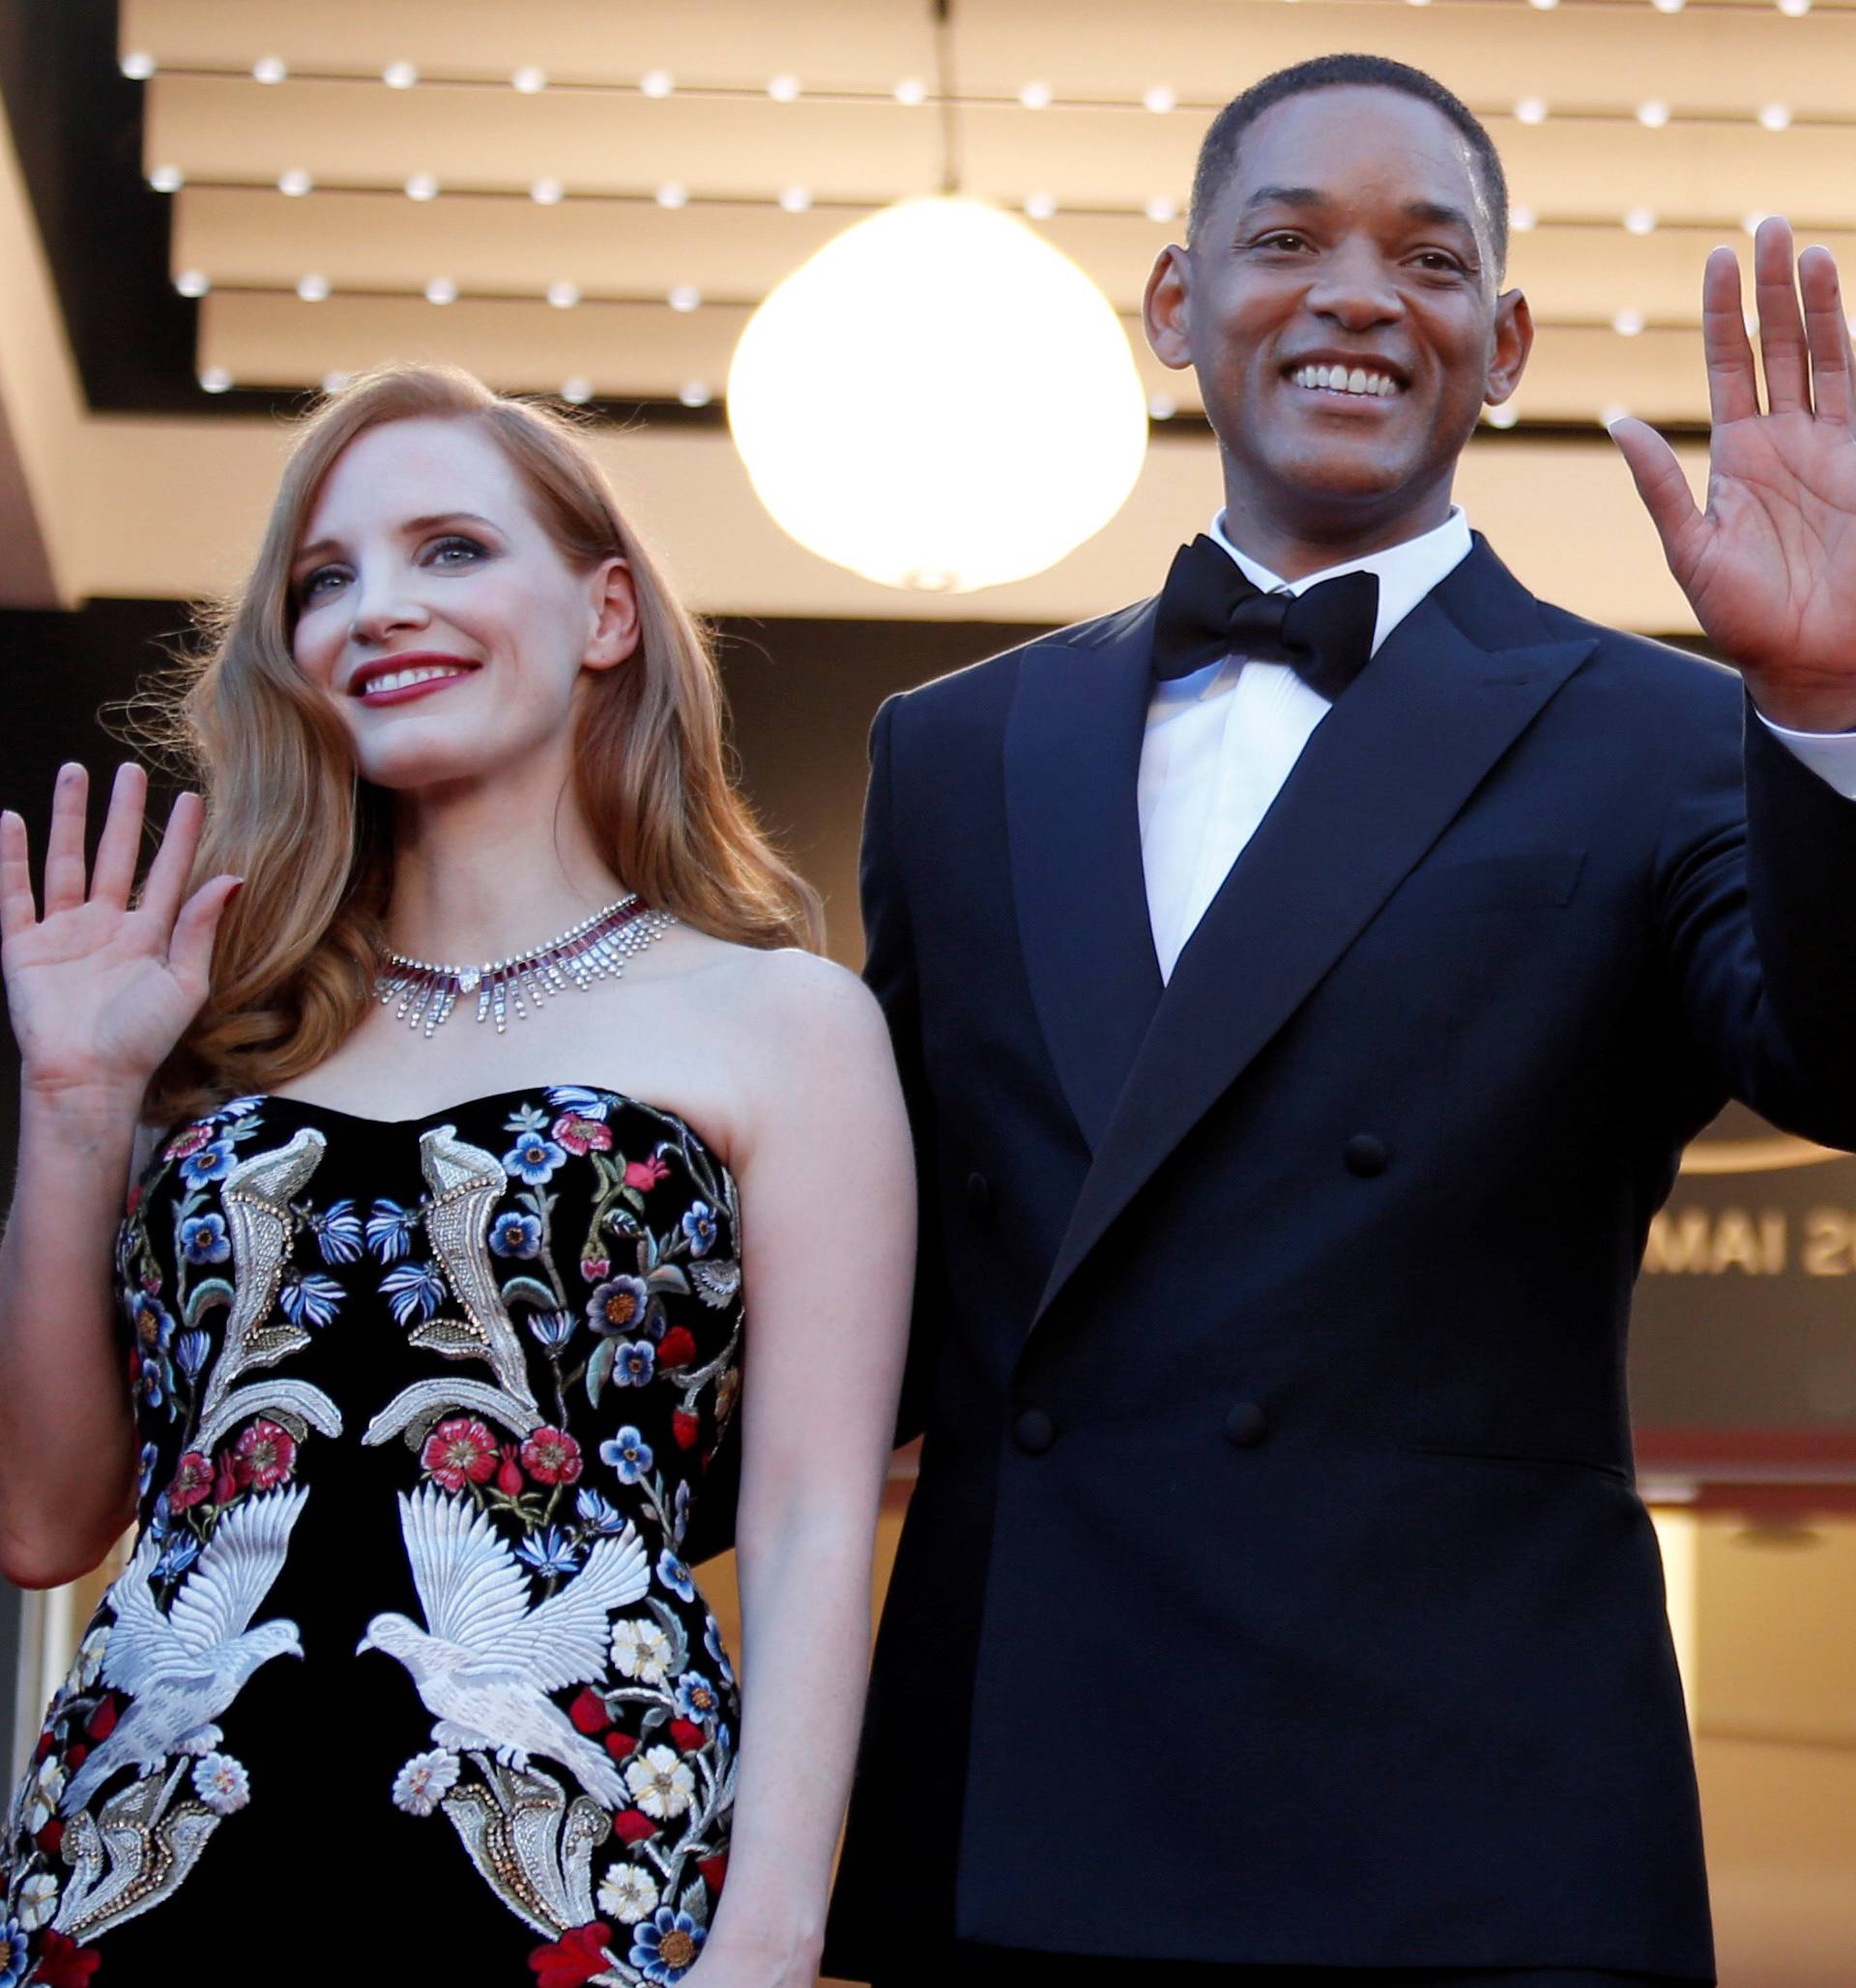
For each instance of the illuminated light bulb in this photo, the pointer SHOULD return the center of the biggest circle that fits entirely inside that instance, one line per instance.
(1035, 96)
(192, 282)
(577, 390)
(911, 91)
(295, 183)
(1546, 6)
(1775, 117)
(546, 192)
(1040, 206)
(672, 194)
(215, 379)
(564, 296)
(656, 82)
(783, 88)
(794, 199)
(1794, 9)
(1160, 99)
(865, 398)
(1522, 220)
(1161, 407)
(441, 290)
(1628, 323)
(333, 382)
(1667, 5)
(1640, 221)
(167, 179)
(694, 394)
(684, 297)
(1610, 415)
(530, 80)
(1503, 416)
(270, 68)
(1162, 207)
(399, 75)
(1751, 222)
(1531, 110)
(1654, 113)
(422, 187)
(312, 289)
(138, 64)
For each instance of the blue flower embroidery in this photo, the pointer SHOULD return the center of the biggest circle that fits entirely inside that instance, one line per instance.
(203, 1239)
(634, 1363)
(553, 1329)
(180, 1554)
(628, 1454)
(696, 1698)
(415, 1289)
(311, 1301)
(618, 1307)
(516, 1235)
(211, 1162)
(149, 1455)
(597, 1514)
(676, 1576)
(712, 1643)
(578, 1100)
(13, 1958)
(339, 1233)
(390, 1230)
(534, 1159)
(666, 1945)
(152, 1323)
(699, 1225)
(191, 1350)
(550, 1553)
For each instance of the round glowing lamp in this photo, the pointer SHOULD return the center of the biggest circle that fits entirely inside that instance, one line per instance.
(938, 399)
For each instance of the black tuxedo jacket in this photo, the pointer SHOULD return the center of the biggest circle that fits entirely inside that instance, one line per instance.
(1275, 1588)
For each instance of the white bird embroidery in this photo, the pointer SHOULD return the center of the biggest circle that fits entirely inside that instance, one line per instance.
(181, 1670)
(488, 1660)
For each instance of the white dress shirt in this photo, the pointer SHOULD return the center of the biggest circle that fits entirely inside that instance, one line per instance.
(1221, 741)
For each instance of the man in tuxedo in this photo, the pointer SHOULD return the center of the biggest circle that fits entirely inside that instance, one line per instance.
(1304, 985)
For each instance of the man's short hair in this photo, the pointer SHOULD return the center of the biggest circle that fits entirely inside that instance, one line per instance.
(1218, 152)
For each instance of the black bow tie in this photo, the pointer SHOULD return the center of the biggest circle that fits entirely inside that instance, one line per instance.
(1208, 609)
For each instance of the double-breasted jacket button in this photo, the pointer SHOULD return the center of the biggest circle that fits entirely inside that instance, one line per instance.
(979, 1196)
(1246, 1424)
(1366, 1156)
(1033, 1431)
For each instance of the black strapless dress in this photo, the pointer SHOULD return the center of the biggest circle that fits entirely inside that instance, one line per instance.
(406, 1678)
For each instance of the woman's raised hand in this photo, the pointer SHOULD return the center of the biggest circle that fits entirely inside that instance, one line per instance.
(99, 991)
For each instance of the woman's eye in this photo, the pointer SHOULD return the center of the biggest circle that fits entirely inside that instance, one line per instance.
(454, 550)
(324, 580)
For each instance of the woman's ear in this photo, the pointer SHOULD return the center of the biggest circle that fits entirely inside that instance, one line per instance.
(613, 600)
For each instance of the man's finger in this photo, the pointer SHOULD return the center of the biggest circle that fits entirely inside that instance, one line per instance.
(1733, 388)
(1781, 324)
(1664, 489)
(1827, 332)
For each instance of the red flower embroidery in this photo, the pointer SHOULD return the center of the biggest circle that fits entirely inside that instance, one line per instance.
(685, 1427)
(264, 1456)
(688, 1735)
(629, 1826)
(509, 1476)
(573, 1959)
(644, 1174)
(581, 1135)
(459, 1450)
(75, 1758)
(677, 1348)
(101, 1722)
(63, 1964)
(594, 1268)
(588, 1711)
(621, 1746)
(713, 1869)
(193, 1481)
(225, 1484)
(189, 1142)
(552, 1456)
(51, 1839)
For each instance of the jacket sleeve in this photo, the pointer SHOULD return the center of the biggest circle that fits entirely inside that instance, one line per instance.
(890, 973)
(1756, 900)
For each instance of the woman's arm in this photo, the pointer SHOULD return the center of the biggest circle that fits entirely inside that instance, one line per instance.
(828, 1221)
(99, 993)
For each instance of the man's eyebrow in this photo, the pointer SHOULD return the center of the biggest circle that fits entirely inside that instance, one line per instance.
(1441, 214)
(1287, 196)
(322, 548)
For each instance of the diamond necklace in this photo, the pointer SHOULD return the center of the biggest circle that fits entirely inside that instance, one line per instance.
(597, 948)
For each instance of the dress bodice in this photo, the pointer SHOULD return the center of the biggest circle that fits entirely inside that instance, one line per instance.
(423, 1409)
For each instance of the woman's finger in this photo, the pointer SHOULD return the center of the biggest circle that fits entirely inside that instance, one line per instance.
(173, 865)
(64, 845)
(17, 911)
(113, 875)
(190, 950)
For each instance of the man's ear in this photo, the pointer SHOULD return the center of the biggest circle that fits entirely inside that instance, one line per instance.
(1166, 309)
(613, 601)
(1514, 340)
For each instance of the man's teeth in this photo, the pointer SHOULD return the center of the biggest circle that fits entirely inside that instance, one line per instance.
(1337, 379)
(399, 679)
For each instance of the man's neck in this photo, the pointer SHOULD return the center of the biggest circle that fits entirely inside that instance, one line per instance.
(1293, 548)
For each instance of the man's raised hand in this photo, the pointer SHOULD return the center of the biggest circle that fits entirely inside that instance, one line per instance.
(1770, 564)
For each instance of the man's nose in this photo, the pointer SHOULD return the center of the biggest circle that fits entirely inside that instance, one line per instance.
(1355, 290)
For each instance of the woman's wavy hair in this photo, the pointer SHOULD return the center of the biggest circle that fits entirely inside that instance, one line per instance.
(299, 947)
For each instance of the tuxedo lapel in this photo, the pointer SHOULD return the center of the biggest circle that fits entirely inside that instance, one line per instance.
(1072, 758)
(1384, 774)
